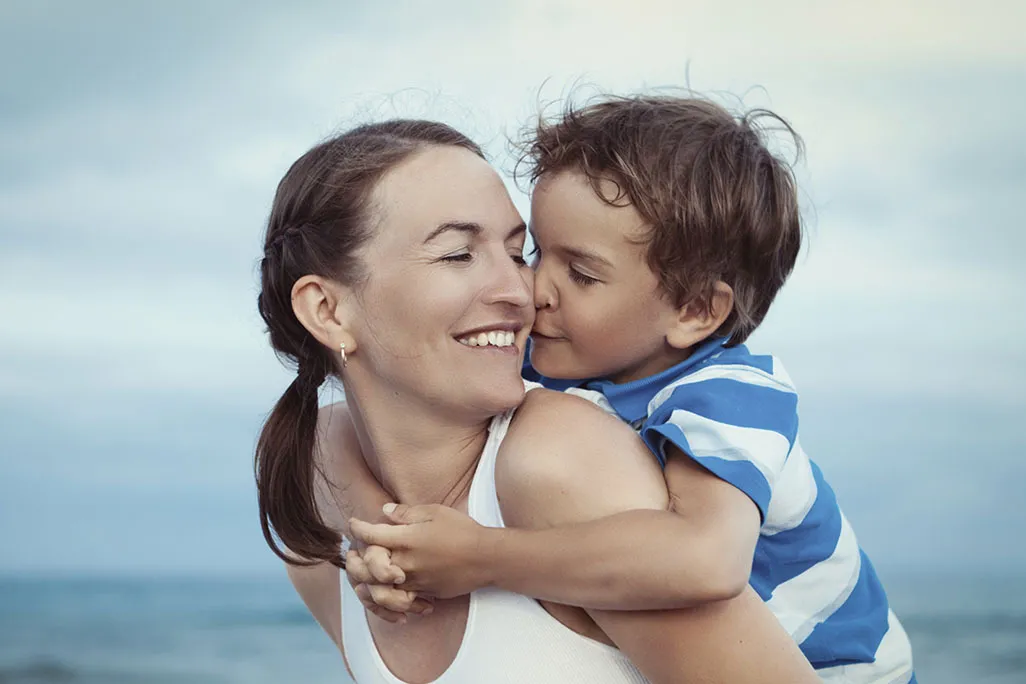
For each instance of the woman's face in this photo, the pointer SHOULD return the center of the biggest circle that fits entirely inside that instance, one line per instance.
(447, 307)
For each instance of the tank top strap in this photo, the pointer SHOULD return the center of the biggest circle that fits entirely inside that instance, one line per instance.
(483, 500)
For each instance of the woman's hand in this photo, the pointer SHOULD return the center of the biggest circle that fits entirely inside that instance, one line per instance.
(442, 552)
(373, 577)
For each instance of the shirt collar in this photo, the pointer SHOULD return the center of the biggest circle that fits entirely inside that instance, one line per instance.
(630, 399)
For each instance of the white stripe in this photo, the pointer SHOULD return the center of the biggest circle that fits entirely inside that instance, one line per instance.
(737, 372)
(765, 449)
(804, 601)
(794, 494)
(893, 663)
(594, 397)
(780, 374)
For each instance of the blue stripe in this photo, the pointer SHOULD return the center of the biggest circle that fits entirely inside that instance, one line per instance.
(785, 555)
(742, 474)
(737, 403)
(739, 356)
(853, 632)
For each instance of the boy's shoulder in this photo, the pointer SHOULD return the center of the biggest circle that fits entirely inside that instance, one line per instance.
(728, 371)
(732, 389)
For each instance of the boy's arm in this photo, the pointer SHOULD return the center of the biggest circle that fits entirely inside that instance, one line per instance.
(630, 560)
(540, 484)
(643, 559)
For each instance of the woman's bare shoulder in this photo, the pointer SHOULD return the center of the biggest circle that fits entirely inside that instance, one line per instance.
(564, 451)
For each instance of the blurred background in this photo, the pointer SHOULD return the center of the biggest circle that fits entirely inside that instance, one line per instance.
(140, 145)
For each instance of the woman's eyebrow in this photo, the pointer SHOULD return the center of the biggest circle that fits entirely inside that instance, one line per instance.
(460, 226)
(470, 227)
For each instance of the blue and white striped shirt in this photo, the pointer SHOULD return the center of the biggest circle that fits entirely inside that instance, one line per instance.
(736, 414)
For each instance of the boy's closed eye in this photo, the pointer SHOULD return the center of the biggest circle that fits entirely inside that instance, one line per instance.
(580, 278)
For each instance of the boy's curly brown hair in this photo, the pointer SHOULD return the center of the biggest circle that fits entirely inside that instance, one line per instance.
(719, 205)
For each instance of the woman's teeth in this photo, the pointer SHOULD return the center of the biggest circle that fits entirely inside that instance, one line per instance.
(496, 338)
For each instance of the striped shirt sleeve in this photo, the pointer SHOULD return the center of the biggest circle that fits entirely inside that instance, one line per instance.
(738, 422)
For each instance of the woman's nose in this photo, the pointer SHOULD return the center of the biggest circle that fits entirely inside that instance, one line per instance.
(512, 284)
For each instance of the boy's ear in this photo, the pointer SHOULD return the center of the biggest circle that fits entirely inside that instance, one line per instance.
(695, 322)
(323, 307)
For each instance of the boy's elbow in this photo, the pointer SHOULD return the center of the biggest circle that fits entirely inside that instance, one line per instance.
(732, 578)
(724, 577)
(731, 586)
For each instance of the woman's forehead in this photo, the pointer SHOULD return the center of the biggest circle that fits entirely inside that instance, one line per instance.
(443, 184)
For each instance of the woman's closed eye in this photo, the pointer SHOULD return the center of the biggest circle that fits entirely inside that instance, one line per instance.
(457, 258)
(467, 257)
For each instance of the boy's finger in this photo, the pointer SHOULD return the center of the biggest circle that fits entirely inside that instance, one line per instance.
(364, 594)
(379, 562)
(403, 514)
(421, 606)
(388, 615)
(388, 536)
(356, 570)
(391, 598)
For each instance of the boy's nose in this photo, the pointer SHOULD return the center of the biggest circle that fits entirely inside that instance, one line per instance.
(544, 292)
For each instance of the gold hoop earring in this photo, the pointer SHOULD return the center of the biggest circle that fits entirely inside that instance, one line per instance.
(342, 351)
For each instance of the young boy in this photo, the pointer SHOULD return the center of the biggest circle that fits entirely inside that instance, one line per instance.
(665, 229)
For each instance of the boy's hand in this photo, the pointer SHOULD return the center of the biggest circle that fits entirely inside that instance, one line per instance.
(373, 576)
(440, 550)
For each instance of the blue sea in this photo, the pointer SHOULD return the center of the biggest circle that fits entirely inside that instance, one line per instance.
(228, 631)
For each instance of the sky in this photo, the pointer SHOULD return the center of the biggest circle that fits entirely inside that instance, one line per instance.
(140, 145)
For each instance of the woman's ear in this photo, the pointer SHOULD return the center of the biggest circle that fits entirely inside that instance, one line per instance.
(322, 306)
(695, 322)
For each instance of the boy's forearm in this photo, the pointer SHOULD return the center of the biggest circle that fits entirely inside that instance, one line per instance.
(635, 560)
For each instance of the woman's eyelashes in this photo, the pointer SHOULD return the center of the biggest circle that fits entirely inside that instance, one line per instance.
(466, 256)
(457, 258)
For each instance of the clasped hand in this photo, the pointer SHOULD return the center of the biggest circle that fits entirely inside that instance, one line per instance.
(422, 553)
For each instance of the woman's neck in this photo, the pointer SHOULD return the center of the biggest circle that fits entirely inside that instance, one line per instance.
(418, 454)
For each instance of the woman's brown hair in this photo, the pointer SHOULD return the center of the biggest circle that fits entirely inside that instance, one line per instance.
(319, 219)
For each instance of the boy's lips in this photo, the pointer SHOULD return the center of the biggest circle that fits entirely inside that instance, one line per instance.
(538, 334)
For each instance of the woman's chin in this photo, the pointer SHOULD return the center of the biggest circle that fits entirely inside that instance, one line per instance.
(502, 396)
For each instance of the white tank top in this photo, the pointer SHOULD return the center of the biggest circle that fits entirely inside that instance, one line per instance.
(509, 637)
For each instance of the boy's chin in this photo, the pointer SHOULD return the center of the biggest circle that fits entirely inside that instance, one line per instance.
(557, 370)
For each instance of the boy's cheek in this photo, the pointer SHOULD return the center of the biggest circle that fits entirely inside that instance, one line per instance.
(553, 358)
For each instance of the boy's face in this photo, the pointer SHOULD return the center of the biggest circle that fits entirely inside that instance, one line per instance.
(601, 312)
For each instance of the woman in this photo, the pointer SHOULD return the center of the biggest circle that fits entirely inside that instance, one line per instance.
(393, 260)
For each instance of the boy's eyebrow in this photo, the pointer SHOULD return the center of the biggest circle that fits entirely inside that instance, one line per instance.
(470, 227)
(586, 255)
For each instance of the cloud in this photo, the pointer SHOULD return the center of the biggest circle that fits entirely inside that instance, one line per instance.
(140, 149)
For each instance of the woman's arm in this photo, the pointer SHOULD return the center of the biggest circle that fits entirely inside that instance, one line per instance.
(318, 586)
(591, 466)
